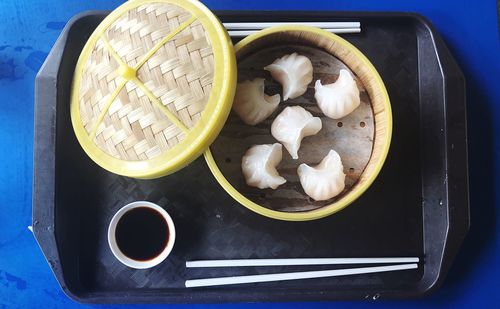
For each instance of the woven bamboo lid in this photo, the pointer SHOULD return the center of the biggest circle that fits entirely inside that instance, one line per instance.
(153, 87)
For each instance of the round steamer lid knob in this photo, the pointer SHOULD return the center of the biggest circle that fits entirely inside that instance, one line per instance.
(127, 72)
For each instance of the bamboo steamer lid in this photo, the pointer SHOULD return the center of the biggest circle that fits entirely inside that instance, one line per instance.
(153, 87)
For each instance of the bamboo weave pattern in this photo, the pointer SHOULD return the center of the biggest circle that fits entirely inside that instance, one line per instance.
(130, 117)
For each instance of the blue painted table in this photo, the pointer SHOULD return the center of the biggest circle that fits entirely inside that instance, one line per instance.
(28, 29)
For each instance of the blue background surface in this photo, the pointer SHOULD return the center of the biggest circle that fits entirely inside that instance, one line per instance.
(28, 29)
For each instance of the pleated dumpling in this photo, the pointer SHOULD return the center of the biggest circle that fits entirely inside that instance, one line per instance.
(259, 166)
(292, 125)
(294, 72)
(339, 99)
(251, 104)
(325, 180)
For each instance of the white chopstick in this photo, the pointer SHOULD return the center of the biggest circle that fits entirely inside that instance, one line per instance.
(299, 261)
(242, 33)
(258, 26)
(295, 275)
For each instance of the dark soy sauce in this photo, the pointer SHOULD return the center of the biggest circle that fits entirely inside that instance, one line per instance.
(142, 233)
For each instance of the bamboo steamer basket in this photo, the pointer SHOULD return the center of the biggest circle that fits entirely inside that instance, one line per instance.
(153, 87)
(374, 112)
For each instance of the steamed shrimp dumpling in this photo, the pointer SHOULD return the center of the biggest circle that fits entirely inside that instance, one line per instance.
(292, 125)
(251, 104)
(259, 166)
(294, 72)
(325, 180)
(338, 99)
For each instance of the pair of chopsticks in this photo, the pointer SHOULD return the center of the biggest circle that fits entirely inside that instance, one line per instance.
(244, 29)
(408, 263)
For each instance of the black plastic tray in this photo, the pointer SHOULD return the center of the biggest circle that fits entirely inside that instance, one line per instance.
(418, 206)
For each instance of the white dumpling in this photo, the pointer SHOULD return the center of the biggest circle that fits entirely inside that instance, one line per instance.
(339, 99)
(252, 104)
(259, 166)
(292, 125)
(294, 72)
(325, 180)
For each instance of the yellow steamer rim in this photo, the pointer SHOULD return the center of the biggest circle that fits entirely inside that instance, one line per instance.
(362, 67)
(153, 87)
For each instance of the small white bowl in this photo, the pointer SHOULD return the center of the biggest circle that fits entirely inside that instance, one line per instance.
(135, 263)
